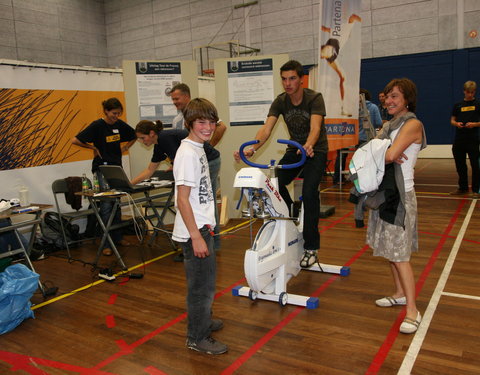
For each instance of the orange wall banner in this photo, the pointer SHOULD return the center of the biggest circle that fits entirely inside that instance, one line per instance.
(341, 132)
(339, 55)
(37, 125)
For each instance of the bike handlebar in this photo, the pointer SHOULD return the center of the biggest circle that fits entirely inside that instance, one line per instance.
(266, 166)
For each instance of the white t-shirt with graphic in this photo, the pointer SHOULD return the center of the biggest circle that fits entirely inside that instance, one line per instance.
(191, 169)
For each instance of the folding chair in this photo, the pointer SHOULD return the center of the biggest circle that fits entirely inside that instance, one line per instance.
(60, 187)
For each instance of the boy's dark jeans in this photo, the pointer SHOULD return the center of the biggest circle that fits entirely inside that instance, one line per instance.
(201, 275)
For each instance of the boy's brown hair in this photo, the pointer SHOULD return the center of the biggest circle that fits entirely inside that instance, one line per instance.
(199, 109)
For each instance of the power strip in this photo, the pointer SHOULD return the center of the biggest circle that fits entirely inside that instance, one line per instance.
(106, 274)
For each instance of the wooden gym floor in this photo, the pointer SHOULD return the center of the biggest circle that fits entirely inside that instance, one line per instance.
(137, 326)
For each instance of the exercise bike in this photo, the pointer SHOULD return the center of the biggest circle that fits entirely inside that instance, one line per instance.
(274, 258)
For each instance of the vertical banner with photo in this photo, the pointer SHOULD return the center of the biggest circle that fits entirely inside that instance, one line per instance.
(250, 91)
(339, 69)
(154, 83)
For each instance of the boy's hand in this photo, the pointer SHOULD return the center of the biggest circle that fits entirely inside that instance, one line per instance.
(200, 248)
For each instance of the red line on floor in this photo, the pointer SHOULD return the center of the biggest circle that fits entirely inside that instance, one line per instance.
(229, 288)
(327, 227)
(110, 321)
(30, 365)
(112, 299)
(124, 347)
(393, 333)
(452, 237)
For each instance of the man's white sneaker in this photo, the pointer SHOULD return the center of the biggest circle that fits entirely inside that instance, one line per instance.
(309, 258)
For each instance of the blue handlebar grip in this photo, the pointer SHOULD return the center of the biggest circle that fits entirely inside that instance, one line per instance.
(244, 158)
(266, 166)
(300, 147)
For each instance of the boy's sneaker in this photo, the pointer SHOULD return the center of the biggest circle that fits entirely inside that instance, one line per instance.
(216, 325)
(208, 345)
(309, 258)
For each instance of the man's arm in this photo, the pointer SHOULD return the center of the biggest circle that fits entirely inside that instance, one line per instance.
(315, 128)
(218, 133)
(200, 248)
(453, 122)
(262, 136)
(146, 173)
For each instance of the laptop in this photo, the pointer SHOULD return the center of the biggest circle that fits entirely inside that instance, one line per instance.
(118, 180)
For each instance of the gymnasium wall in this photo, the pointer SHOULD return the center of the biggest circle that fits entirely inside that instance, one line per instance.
(439, 77)
(103, 33)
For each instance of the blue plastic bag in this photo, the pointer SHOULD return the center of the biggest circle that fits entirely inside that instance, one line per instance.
(17, 285)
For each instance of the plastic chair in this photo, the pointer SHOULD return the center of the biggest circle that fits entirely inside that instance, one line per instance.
(60, 187)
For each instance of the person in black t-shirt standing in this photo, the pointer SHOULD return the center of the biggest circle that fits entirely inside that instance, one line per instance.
(105, 137)
(466, 119)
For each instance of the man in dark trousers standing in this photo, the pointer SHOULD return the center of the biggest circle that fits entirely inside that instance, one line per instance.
(466, 119)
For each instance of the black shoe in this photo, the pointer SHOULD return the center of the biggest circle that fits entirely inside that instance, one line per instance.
(359, 223)
(36, 254)
(208, 345)
(179, 257)
(459, 192)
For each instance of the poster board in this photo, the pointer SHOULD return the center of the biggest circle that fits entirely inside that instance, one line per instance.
(147, 84)
(236, 135)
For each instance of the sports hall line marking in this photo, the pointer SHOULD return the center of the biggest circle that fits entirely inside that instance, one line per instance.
(439, 234)
(457, 295)
(417, 341)
(437, 185)
(394, 329)
(31, 365)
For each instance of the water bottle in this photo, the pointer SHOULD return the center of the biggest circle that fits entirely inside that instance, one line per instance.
(96, 184)
(85, 186)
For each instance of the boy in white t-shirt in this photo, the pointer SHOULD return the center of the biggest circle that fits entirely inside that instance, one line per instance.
(194, 225)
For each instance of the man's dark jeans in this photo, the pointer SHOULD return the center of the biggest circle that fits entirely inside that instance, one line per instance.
(105, 209)
(460, 150)
(201, 275)
(313, 170)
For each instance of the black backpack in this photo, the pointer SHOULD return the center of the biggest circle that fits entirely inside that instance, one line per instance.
(52, 230)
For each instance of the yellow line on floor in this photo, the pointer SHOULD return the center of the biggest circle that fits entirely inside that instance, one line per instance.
(237, 226)
(99, 281)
